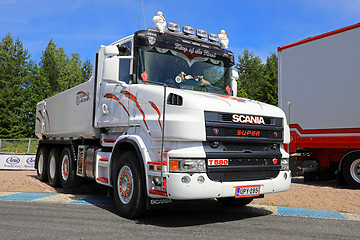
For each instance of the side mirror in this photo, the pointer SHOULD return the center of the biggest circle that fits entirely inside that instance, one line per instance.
(234, 79)
(111, 72)
(235, 75)
(111, 51)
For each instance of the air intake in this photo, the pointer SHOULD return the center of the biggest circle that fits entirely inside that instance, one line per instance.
(174, 99)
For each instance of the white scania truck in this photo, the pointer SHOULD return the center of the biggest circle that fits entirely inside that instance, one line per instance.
(159, 120)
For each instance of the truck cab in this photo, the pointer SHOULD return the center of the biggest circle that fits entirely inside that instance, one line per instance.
(162, 121)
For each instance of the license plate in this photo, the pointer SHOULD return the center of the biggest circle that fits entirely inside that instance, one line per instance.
(247, 191)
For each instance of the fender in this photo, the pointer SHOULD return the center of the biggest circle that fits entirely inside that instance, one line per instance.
(129, 142)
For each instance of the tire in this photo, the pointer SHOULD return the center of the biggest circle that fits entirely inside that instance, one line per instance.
(235, 202)
(67, 175)
(41, 164)
(54, 167)
(129, 186)
(351, 171)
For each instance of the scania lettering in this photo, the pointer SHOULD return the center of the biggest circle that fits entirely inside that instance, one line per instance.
(155, 112)
(248, 119)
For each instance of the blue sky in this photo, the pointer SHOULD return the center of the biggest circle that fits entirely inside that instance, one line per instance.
(81, 26)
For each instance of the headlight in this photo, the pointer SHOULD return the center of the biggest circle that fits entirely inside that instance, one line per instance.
(284, 164)
(187, 165)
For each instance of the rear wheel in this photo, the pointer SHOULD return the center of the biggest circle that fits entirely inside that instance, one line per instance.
(351, 171)
(235, 202)
(54, 167)
(68, 177)
(41, 164)
(129, 186)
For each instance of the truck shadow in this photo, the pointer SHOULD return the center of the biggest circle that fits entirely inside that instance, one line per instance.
(332, 183)
(195, 213)
(176, 214)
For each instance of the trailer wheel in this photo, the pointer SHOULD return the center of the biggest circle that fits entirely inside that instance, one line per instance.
(41, 164)
(54, 167)
(351, 171)
(68, 177)
(129, 186)
(235, 202)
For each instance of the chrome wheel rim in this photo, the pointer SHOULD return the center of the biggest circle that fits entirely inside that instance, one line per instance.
(52, 167)
(355, 170)
(40, 164)
(65, 167)
(125, 184)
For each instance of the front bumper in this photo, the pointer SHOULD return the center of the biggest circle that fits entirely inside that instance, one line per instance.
(178, 190)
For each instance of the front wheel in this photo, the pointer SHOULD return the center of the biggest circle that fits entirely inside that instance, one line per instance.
(235, 202)
(129, 186)
(351, 171)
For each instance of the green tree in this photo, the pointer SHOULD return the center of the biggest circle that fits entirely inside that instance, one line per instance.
(251, 72)
(71, 74)
(53, 61)
(13, 69)
(35, 88)
(269, 89)
(86, 70)
(258, 81)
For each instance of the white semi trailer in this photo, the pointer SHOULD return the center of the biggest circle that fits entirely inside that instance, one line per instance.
(159, 120)
(318, 88)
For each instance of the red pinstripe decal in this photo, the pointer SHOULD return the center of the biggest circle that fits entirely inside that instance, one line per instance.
(134, 99)
(111, 96)
(158, 111)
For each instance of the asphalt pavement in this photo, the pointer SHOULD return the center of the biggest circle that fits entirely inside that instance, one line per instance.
(191, 220)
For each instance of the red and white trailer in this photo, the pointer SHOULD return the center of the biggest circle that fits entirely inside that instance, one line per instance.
(319, 91)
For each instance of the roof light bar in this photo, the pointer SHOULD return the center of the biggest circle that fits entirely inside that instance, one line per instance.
(213, 37)
(188, 30)
(174, 27)
(201, 33)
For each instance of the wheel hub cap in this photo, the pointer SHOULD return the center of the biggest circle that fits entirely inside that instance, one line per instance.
(125, 184)
(355, 170)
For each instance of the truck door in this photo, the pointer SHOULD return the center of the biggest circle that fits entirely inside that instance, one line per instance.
(115, 67)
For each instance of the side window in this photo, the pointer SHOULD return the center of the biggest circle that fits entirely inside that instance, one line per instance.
(124, 64)
(124, 70)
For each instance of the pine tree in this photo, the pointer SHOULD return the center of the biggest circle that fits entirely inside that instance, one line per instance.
(251, 75)
(86, 70)
(269, 89)
(13, 69)
(52, 62)
(36, 88)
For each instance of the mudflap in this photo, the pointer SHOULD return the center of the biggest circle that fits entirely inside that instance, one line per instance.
(157, 203)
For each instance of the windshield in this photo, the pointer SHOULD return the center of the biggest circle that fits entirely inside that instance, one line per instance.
(181, 70)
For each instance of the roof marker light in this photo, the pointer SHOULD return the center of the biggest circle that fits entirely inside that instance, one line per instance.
(201, 33)
(174, 27)
(188, 30)
(213, 37)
